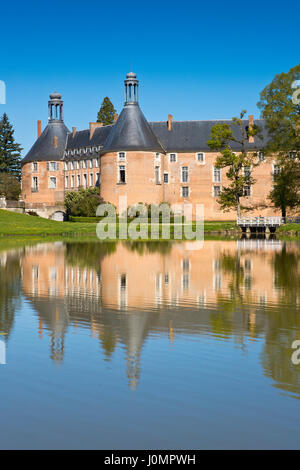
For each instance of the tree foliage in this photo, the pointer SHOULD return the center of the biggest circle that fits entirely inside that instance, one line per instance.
(106, 112)
(10, 186)
(222, 139)
(282, 115)
(10, 151)
(285, 193)
(83, 202)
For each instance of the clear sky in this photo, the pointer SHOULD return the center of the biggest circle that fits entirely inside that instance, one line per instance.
(194, 59)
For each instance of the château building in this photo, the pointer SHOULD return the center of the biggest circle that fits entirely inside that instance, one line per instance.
(150, 162)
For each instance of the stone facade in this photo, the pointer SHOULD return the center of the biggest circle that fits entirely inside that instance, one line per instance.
(146, 162)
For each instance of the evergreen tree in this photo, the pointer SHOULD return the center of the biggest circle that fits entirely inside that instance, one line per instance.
(10, 151)
(106, 112)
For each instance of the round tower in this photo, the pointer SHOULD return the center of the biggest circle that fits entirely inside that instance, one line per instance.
(132, 158)
(42, 167)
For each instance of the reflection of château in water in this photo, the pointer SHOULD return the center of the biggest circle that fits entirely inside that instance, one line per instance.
(124, 292)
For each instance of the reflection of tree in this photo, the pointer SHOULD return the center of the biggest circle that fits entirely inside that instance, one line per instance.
(284, 323)
(108, 339)
(88, 254)
(286, 266)
(143, 247)
(277, 352)
(10, 289)
(233, 311)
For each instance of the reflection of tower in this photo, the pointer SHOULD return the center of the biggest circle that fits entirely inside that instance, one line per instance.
(57, 348)
(58, 327)
(136, 331)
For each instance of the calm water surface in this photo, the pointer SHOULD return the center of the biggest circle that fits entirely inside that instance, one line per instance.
(136, 345)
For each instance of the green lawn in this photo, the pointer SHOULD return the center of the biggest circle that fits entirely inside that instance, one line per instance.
(20, 224)
(289, 228)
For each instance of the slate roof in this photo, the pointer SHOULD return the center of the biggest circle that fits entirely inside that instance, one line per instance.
(131, 132)
(82, 138)
(192, 136)
(43, 149)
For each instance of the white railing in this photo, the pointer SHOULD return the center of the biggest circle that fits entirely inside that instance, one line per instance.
(259, 221)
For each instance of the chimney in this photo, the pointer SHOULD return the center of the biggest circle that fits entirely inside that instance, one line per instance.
(251, 124)
(115, 117)
(73, 131)
(93, 126)
(170, 119)
(39, 128)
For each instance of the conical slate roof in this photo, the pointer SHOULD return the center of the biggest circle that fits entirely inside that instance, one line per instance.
(47, 148)
(131, 132)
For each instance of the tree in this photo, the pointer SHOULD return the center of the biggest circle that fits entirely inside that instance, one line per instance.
(281, 112)
(83, 203)
(10, 151)
(238, 165)
(106, 112)
(285, 193)
(10, 186)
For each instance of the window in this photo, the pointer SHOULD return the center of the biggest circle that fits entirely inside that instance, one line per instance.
(157, 175)
(184, 174)
(72, 181)
(217, 175)
(77, 165)
(67, 182)
(52, 182)
(122, 155)
(52, 166)
(97, 179)
(157, 156)
(276, 170)
(91, 179)
(261, 156)
(95, 162)
(34, 166)
(200, 157)
(217, 191)
(66, 165)
(73, 165)
(173, 157)
(247, 191)
(84, 164)
(35, 183)
(122, 174)
(247, 171)
(185, 191)
(84, 180)
(293, 154)
(166, 177)
(90, 163)
(78, 180)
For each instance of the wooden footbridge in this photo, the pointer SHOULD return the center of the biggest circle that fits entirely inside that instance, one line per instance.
(260, 224)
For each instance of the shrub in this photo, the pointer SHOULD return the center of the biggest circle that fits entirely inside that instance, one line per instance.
(83, 203)
(10, 186)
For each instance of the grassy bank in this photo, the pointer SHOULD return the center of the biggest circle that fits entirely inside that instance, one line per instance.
(289, 230)
(20, 224)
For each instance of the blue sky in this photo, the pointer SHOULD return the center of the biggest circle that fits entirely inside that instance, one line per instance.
(195, 60)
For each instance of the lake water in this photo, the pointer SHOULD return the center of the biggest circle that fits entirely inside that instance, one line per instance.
(150, 345)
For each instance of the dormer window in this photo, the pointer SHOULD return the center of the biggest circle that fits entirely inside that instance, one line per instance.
(200, 157)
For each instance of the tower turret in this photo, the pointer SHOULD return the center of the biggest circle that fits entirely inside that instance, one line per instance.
(55, 107)
(131, 89)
